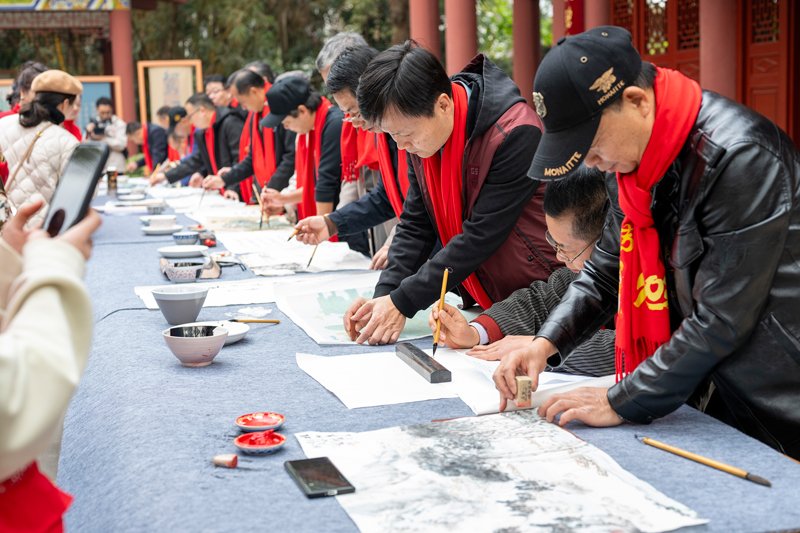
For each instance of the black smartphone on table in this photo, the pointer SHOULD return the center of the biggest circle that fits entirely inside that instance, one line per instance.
(76, 187)
(318, 477)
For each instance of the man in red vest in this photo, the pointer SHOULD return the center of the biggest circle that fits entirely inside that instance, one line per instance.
(700, 260)
(470, 140)
(266, 153)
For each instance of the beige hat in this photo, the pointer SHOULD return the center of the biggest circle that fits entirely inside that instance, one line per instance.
(56, 81)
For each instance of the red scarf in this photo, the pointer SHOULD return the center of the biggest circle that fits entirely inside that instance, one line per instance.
(444, 176)
(190, 141)
(30, 502)
(148, 159)
(13, 111)
(643, 317)
(358, 150)
(209, 135)
(70, 126)
(173, 154)
(306, 161)
(245, 189)
(395, 195)
(349, 148)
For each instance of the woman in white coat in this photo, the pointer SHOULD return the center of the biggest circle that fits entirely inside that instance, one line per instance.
(35, 148)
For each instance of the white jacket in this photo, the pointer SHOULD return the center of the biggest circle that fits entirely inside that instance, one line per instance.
(39, 174)
(45, 336)
(117, 141)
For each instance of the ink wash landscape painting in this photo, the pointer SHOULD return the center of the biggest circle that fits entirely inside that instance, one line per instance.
(511, 472)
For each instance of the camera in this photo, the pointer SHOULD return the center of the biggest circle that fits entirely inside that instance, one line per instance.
(100, 126)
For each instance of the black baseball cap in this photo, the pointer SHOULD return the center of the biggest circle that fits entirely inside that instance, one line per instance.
(176, 114)
(582, 75)
(284, 97)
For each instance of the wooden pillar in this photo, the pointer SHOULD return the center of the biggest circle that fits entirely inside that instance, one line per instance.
(718, 57)
(558, 21)
(596, 13)
(121, 38)
(424, 24)
(527, 47)
(460, 35)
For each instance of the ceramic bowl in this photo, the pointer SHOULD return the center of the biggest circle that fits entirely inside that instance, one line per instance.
(195, 345)
(185, 237)
(186, 271)
(159, 221)
(260, 422)
(236, 330)
(260, 443)
(156, 209)
(181, 304)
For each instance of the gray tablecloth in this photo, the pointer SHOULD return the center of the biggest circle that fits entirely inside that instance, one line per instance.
(141, 430)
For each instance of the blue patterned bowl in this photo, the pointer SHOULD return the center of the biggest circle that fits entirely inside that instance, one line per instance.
(185, 237)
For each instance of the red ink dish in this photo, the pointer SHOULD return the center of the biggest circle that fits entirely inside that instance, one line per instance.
(260, 443)
(260, 421)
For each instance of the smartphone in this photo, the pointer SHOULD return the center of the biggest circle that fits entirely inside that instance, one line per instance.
(76, 187)
(318, 477)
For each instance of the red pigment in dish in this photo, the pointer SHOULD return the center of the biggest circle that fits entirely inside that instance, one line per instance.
(266, 438)
(254, 420)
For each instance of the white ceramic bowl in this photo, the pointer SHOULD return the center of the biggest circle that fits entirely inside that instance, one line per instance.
(195, 345)
(181, 304)
(185, 237)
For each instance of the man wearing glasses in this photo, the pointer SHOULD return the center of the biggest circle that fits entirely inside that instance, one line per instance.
(575, 210)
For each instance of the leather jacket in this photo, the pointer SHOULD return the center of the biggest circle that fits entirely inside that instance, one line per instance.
(728, 217)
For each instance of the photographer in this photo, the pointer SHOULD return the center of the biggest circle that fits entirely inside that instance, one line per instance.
(110, 129)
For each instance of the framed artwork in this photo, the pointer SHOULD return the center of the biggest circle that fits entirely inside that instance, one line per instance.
(168, 83)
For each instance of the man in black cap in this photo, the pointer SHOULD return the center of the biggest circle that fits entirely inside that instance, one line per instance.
(699, 258)
(267, 154)
(152, 139)
(217, 139)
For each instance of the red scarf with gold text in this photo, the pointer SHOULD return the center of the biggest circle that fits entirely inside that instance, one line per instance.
(395, 194)
(306, 161)
(444, 176)
(643, 317)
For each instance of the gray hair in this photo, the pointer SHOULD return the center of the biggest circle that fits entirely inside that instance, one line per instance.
(294, 74)
(335, 46)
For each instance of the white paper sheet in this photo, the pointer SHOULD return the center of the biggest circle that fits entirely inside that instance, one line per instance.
(352, 379)
(506, 472)
(266, 252)
(370, 379)
(319, 308)
(472, 381)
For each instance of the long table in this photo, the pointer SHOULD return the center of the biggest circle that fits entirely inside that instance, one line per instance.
(141, 430)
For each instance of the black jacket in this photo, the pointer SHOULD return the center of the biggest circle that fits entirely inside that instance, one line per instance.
(328, 176)
(284, 160)
(371, 209)
(228, 126)
(728, 217)
(156, 144)
(414, 282)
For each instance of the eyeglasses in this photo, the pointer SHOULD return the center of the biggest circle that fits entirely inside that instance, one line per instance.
(560, 253)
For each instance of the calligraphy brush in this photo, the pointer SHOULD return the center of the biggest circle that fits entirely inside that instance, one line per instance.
(312, 256)
(201, 197)
(292, 235)
(261, 205)
(705, 461)
(255, 320)
(441, 306)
